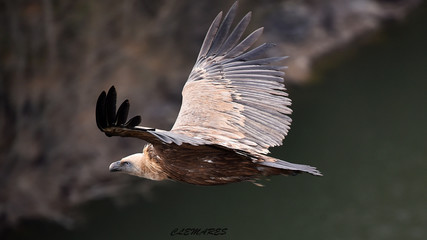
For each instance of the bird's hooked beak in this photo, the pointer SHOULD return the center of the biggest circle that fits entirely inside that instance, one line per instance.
(115, 166)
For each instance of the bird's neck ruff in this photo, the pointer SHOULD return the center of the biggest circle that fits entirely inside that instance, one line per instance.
(149, 165)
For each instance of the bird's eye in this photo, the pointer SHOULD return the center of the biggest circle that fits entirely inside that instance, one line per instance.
(126, 163)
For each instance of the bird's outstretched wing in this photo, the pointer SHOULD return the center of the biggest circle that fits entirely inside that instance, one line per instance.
(234, 97)
(114, 123)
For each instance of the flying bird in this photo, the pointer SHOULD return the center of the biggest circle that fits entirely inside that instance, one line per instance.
(234, 108)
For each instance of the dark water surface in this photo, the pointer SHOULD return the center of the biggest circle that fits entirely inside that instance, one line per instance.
(363, 123)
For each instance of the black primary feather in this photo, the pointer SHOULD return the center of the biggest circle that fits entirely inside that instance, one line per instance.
(133, 122)
(101, 121)
(245, 44)
(223, 30)
(235, 35)
(256, 52)
(122, 113)
(110, 106)
(210, 36)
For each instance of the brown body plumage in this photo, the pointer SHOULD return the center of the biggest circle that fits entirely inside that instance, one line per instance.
(234, 108)
(209, 165)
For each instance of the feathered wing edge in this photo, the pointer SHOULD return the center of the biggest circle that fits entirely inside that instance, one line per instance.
(106, 112)
(217, 40)
(254, 85)
(114, 123)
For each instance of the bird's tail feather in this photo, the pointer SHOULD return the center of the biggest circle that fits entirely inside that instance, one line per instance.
(291, 167)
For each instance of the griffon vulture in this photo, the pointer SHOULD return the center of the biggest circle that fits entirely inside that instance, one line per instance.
(234, 108)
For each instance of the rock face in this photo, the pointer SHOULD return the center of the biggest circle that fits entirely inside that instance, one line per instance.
(57, 56)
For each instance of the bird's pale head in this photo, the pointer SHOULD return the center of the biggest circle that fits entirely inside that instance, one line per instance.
(140, 165)
(130, 165)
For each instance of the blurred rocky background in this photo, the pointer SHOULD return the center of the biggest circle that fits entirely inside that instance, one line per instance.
(57, 56)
